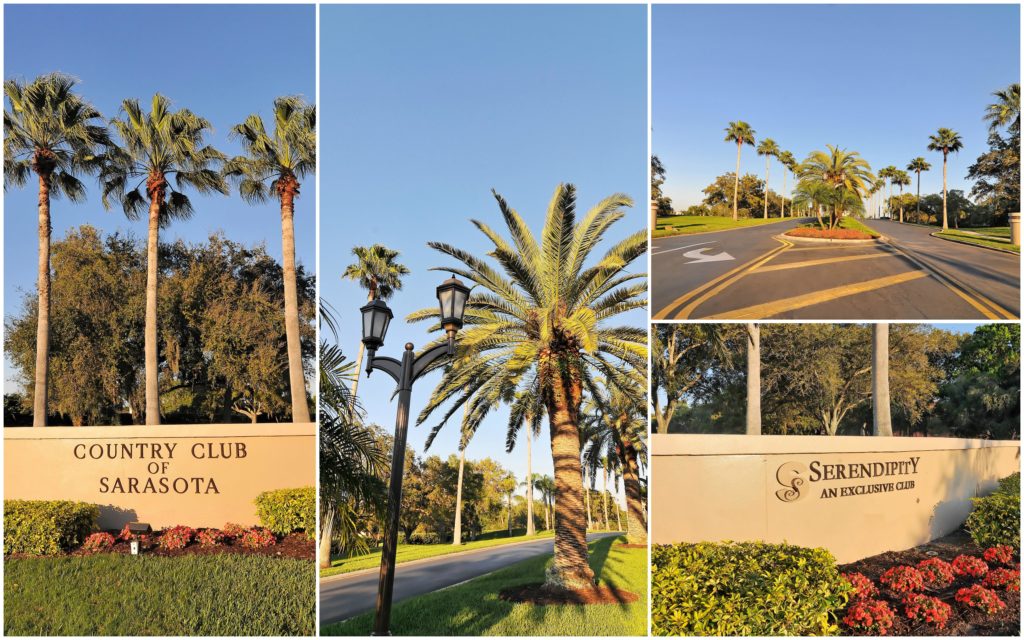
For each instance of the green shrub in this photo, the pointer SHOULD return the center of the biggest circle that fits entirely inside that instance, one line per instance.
(46, 527)
(1010, 485)
(996, 519)
(745, 589)
(286, 510)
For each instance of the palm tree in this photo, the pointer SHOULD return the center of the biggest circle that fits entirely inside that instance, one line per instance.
(845, 173)
(917, 165)
(740, 133)
(272, 166)
(880, 378)
(604, 491)
(788, 164)
(541, 322)
(812, 194)
(887, 174)
(377, 271)
(769, 149)
(155, 148)
(945, 140)
(546, 486)
(753, 335)
(901, 179)
(51, 131)
(528, 410)
(1006, 111)
(457, 531)
(507, 485)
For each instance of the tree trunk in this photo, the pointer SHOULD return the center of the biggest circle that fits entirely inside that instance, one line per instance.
(326, 531)
(782, 200)
(457, 535)
(901, 204)
(570, 568)
(945, 222)
(586, 500)
(296, 376)
(753, 379)
(604, 498)
(917, 214)
(156, 195)
(42, 372)
(530, 529)
(636, 523)
(767, 164)
(509, 519)
(618, 517)
(880, 379)
(736, 183)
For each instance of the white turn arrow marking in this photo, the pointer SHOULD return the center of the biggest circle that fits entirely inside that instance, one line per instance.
(698, 255)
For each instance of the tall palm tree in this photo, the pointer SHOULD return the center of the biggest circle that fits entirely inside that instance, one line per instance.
(740, 133)
(528, 411)
(753, 335)
(901, 179)
(846, 174)
(546, 485)
(507, 485)
(604, 491)
(880, 379)
(155, 148)
(376, 269)
(540, 321)
(946, 141)
(1006, 110)
(788, 164)
(51, 131)
(769, 149)
(272, 166)
(917, 165)
(457, 531)
(887, 174)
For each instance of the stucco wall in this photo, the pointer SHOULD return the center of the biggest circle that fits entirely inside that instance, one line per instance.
(856, 496)
(196, 475)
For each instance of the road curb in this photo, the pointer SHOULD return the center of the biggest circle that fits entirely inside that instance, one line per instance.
(702, 233)
(831, 241)
(971, 244)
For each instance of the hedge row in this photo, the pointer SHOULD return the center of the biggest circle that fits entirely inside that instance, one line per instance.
(46, 527)
(286, 510)
(996, 518)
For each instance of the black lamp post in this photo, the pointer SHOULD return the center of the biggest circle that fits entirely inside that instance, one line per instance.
(452, 296)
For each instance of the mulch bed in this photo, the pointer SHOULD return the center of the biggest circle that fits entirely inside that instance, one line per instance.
(831, 234)
(294, 545)
(537, 593)
(964, 621)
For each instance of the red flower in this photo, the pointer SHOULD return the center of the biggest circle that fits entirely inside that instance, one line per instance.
(863, 587)
(98, 542)
(903, 579)
(869, 617)
(1008, 579)
(210, 537)
(999, 554)
(233, 530)
(937, 572)
(969, 566)
(258, 538)
(176, 537)
(978, 597)
(920, 607)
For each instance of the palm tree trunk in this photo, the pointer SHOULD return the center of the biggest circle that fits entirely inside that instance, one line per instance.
(917, 215)
(782, 200)
(767, 164)
(42, 372)
(457, 536)
(296, 376)
(359, 360)
(152, 362)
(570, 568)
(901, 204)
(586, 499)
(618, 517)
(945, 222)
(636, 523)
(604, 497)
(326, 531)
(753, 379)
(880, 379)
(510, 515)
(530, 529)
(736, 184)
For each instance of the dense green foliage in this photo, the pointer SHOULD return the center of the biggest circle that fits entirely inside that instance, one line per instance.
(284, 511)
(122, 595)
(46, 527)
(718, 198)
(745, 589)
(995, 519)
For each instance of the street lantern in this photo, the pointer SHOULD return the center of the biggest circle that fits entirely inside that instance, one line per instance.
(452, 296)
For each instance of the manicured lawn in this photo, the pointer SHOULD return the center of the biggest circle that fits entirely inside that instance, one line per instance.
(682, 225)
(122, 595)
(474, 608)
(409, 552)
(991, 239)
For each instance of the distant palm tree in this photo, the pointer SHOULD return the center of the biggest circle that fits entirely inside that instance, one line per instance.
(845, 173)
(769, 149)
(917, 165)
(51, 131)
(901, 179)
(1006, 111)
(272, 167)
(376, 269)
(154, 148)
(887, 174)
(946, 141)
(541, 322)
(788, 164)
(546, 486)
(880, 379)
(528, 411)
(740, 133)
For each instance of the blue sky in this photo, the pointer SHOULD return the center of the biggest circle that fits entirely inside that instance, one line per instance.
(222, 62)
(878, 79)
(425, 109)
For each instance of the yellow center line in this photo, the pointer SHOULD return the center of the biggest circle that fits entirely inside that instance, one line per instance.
(819, 261)
(734, 274)
(771, 309)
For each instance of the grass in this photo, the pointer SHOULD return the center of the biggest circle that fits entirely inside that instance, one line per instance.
(990, 240)
(473, 608)
(683, 225)
(122, 595)
(410, 552)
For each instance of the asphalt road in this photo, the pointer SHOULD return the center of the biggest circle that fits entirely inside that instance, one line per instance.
(350, 594)
(748, 274)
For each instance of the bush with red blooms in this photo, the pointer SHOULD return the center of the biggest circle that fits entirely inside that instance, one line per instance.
(125, 535)
(233, 530)
(999, 554)
(1008, 579)
(922, 608)
(98, 542)
(863, 587)
(902, 579)
(937, 572)
(258, 538)
(176, 537)
(969, 566)
(869, 617)
(210, 537)
(833, 234)
(978, 597)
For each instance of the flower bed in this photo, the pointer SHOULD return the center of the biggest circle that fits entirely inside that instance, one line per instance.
(830, 234)
(185, 541)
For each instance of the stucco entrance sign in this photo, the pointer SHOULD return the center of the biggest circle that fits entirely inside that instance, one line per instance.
(799, 480)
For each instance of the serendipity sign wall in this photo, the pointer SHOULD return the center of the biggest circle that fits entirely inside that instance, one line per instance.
(197, 475)
(856, 496)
